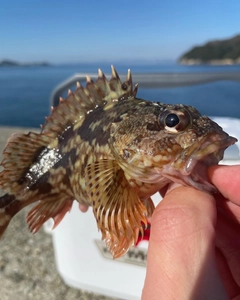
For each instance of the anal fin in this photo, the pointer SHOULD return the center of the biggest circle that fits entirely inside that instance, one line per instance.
(55, 207)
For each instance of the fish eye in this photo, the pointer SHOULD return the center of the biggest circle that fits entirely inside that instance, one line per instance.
(171, 120)
(174, 121)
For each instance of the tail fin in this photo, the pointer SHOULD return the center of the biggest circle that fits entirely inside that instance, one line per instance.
(9, 206)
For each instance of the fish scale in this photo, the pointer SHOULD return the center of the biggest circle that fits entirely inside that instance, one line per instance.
(112, 151)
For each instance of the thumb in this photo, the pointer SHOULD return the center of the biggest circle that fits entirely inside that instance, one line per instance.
(181, 256)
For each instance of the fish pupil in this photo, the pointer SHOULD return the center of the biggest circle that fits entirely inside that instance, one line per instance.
(171, 120)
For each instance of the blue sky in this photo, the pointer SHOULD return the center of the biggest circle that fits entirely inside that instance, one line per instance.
(78, 31)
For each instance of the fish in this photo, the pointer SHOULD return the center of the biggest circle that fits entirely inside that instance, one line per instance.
(110, 150)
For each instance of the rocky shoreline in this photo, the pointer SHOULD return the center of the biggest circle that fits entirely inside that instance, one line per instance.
(213, 62)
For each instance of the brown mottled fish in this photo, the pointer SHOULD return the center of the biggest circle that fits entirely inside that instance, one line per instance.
(108, 149)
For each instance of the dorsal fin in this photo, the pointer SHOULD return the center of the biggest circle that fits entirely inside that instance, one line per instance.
(22, 149)
(77, 104)
(114, 89)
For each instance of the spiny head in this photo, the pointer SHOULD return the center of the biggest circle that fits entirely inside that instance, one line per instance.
(173, 141)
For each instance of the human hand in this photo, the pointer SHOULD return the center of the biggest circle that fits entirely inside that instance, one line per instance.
(194, 248)
(83, 207)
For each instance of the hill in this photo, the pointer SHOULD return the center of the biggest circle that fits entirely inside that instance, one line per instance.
(222, 52)
(11, 63)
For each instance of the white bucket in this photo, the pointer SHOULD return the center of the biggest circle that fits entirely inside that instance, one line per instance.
(84, 262)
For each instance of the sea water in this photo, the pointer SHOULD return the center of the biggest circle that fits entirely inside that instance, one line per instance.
(25, 91)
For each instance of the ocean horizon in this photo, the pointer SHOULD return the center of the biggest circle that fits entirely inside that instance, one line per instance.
(25, 91)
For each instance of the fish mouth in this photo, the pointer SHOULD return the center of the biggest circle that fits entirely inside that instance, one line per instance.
(192, 164)
(210, 150)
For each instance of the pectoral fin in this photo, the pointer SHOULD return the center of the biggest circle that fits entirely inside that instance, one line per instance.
(119, 212)
(149, 206)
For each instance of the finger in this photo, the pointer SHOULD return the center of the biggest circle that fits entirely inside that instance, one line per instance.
(227, 180)
(181, 256)
(167, 188)
(229, 208)
(228, 242)
(232, 288)
(83, 207)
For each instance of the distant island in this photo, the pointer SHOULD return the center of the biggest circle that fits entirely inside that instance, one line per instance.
(11, 63)
(218, 52)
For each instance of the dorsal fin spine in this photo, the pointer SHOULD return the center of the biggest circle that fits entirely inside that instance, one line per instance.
(83, 100)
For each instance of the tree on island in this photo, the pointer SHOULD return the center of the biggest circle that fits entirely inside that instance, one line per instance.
(227, 50)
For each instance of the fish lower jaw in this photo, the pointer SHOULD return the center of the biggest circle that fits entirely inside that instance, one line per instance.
(197, 178)
(211, 158)
(210, 151)
(193, 164)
